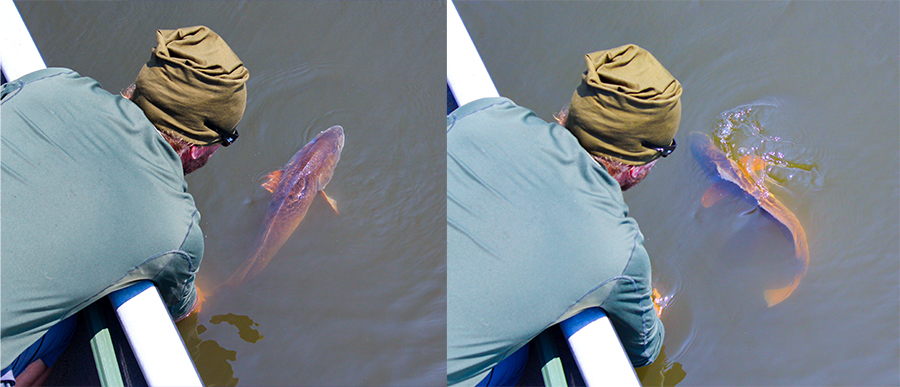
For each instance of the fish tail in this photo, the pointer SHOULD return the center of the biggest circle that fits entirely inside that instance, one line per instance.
(239, 275)
(204, 295)
(801, 248)
(775, 296)
(249, 268)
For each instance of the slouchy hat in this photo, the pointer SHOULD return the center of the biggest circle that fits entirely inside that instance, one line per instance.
(627, 105)
(193, 86)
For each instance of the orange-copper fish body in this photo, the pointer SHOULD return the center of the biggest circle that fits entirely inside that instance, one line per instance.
(746, 175)
(293, 189)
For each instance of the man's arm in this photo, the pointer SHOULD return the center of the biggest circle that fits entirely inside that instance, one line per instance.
(631, 310)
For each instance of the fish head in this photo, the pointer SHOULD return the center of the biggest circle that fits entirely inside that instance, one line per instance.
(333, 137)
(748, 173)
(325, 152)
(711, 158)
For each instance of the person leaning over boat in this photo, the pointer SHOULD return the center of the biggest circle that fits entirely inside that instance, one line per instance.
(537, 229)
(94, 196)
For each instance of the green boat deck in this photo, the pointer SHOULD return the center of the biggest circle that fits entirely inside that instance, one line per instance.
(76, 366)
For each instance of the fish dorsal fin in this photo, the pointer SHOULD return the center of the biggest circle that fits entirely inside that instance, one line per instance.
(273, 179)
(331, 202)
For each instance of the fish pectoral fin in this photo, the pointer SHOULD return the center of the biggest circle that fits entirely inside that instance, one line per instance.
(331, 202)
(273, 179)
(714, 193)
(750, 211)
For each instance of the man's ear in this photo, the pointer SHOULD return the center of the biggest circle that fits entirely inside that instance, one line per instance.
(196, 151)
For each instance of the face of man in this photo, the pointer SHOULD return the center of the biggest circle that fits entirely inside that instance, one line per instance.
(194, 157)
(634, 175)
(627, 175)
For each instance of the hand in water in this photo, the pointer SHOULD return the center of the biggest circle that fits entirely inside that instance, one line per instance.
(201, 298)
(659, 302)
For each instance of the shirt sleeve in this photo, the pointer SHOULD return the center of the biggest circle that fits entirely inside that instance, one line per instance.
(630, 309)
(176, 280)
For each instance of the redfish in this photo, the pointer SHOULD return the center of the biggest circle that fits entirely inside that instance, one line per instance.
(749, 174)
(293, 189)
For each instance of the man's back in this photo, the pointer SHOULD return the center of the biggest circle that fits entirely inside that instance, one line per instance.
(91, 191)
(536, 231)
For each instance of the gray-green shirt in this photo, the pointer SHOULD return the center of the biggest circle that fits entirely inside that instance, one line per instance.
(536, 232)
(93, 198)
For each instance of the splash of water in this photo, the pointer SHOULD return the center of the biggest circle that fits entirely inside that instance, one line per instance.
(667, 283)
(749, 131)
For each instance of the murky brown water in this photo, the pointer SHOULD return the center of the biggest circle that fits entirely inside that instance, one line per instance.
(823, 77)
(356, 298)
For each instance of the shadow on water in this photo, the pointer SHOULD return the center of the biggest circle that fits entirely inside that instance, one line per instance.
(663, 372)
(213, 361)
